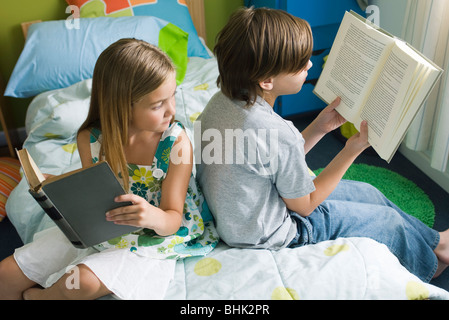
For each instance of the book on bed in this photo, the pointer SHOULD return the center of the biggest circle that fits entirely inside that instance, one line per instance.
(380, 79)
(77, 201)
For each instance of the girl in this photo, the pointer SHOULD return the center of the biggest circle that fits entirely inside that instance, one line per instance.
(131, 125)
(263, 54)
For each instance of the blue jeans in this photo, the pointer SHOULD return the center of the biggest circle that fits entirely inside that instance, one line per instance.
(357, 209)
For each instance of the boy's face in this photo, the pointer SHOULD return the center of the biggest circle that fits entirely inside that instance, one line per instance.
(285, 84)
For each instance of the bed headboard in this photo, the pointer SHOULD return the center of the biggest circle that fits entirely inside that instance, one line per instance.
(26, 25)
(196, 9)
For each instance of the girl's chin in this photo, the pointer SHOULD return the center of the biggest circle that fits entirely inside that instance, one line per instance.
(165, 124)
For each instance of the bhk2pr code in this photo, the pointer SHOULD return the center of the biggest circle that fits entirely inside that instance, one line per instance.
(229, 309)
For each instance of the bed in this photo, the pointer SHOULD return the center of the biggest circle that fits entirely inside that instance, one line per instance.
(347, 268)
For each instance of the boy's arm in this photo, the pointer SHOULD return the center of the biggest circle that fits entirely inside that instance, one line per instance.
(329, 178)
(328, 120)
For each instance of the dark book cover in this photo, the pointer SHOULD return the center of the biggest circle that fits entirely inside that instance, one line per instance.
(78, 201)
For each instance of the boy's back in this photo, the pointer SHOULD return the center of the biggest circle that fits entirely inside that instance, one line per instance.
(243, 185)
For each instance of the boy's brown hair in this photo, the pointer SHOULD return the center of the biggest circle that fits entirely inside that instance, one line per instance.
(257, 44)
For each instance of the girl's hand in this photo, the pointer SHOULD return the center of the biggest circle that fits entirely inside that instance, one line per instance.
(139, 214)
(167, 217)
(329, 119)
(47, 175)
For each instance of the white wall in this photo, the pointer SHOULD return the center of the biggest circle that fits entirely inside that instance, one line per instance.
(392, 14)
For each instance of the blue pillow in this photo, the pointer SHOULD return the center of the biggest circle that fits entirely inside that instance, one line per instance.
(178, 15)
(56, 57)
(174, 11)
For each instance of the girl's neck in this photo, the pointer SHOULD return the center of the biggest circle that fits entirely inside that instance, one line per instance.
(136, 134)
(142, 146)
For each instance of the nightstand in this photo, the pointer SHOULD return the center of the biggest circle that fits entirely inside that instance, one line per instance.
(324, 16)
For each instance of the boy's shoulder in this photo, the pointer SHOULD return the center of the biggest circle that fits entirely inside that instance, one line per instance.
(221, 107)
(223, 113)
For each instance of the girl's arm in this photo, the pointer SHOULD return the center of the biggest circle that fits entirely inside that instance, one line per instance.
(166, 219)
(83, 144)
(329, 178)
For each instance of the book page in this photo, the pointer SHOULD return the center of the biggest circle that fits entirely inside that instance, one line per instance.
(385, 102)
(420, 79)
(424, 80)
(356, 56)
(30, 169)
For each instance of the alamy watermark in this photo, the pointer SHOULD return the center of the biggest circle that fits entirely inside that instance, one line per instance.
(72, 282)
(373, 14)
(257, 148)
(73, 20)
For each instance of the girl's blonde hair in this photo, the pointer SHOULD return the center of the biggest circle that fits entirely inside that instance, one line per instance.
(125, 72)
(257, 44)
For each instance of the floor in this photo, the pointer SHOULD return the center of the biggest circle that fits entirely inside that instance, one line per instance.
(9, 239)
(323, 152)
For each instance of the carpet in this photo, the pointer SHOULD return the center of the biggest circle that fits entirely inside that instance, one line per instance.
(401, 191)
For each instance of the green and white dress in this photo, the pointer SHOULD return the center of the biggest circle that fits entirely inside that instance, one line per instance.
(140, 265)
(197, 234)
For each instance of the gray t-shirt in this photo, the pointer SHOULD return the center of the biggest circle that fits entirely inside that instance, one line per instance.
(247, 159)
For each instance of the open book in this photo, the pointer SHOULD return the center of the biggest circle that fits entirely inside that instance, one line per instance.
(77, 201)
(380, 79)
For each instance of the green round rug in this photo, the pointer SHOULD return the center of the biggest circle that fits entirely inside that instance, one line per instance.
(401, 191)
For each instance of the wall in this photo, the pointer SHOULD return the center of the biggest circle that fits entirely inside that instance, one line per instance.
(391, 14)
(217, 14)
(13, 13)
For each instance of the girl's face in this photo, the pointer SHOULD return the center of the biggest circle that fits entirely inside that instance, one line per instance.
(156, 109)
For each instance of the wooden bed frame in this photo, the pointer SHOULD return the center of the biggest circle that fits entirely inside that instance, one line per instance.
(196, 9)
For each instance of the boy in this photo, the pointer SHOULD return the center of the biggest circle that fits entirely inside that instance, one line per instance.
(272, 202)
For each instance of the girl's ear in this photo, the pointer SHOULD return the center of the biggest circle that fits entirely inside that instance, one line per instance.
(267, 84)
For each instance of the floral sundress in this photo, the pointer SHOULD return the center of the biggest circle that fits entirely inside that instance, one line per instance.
(197, 234)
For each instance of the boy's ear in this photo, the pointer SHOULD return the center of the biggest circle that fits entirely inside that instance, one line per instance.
(267, 84)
